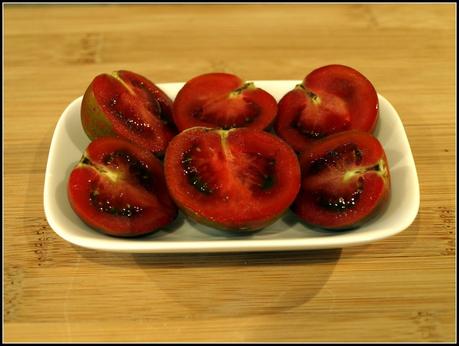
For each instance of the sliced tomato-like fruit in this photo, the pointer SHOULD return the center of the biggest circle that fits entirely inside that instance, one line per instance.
(345, 179)
(222, 100)
(119, 189)
(128, 105)
(237, 179)
(331, 99)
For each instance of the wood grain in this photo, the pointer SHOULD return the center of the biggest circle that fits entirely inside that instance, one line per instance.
(398, 289)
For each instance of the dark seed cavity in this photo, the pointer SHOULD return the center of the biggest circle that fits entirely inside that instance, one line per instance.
(137, 168)
(137, 83)
(197, 113)
(349, 153)
(358, 156)
(268, 175)
(311, 134)
(192, 173)
(259, 172)
(132, 121)
(113, 102)
(341, 203)
(154, 103)
(340, 159)
(248, 120)
(105, 205)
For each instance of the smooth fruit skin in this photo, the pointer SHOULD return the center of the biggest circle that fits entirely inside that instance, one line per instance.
(331, 99)
(244, 181)
(223, 100)
(119, 189)
(355, 183)
(127, 105)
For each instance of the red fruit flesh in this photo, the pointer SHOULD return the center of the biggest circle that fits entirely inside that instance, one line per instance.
(241, 179)
(331, 99)
(221, 100)
(130, 106)
(345, 178)
(119, 189)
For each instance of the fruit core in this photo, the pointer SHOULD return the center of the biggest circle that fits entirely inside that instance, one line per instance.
(320, 116)
(336, 178)
(115, 166)
(230, 110)
(209, 169)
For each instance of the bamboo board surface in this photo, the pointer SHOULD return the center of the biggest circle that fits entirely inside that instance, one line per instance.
(398, 289)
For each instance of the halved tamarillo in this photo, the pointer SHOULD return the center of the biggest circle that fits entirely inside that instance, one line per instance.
(119, 189)
(223, 100)
(331, 99)
(345, 179)
(238, 179)
(128, 105)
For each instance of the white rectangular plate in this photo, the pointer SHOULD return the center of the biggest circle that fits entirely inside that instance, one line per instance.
(288, 233)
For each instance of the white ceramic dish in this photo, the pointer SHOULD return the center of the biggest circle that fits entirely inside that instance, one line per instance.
(288, 233)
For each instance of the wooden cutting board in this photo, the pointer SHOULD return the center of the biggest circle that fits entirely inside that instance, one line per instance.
(398, 289)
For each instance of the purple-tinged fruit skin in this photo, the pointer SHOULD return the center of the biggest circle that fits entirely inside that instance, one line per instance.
(95, 123)
(128, 105)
